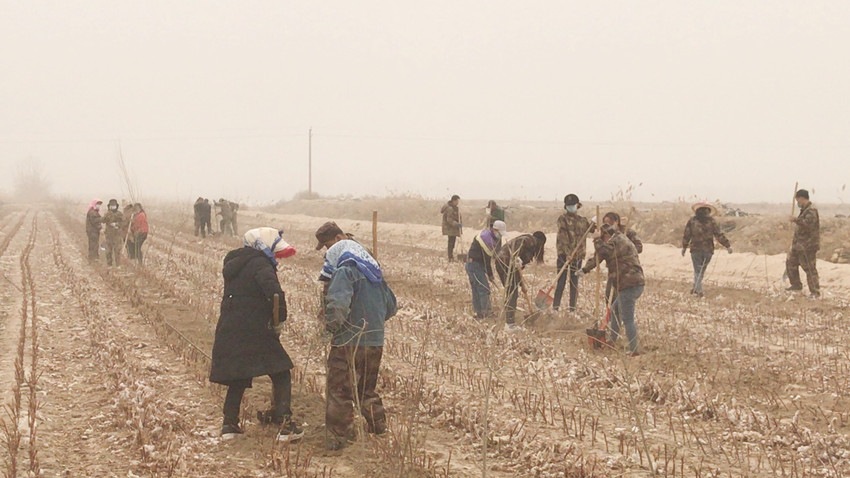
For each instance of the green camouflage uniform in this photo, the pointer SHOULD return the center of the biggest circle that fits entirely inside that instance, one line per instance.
(451, 225)
(115, 231)
(804, 249)
(700, 234)
(621, 257)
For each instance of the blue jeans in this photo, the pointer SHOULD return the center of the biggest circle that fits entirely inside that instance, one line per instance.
(700, 260)
(480, 288)
(623, 309)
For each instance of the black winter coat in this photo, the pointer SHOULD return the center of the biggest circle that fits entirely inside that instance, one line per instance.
(245, 345)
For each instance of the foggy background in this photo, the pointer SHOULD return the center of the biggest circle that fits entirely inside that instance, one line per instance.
(725, 99)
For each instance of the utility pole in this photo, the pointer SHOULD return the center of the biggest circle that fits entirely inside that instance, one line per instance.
(310, 163)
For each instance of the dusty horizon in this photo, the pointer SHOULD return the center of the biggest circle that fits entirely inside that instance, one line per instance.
(728, 100)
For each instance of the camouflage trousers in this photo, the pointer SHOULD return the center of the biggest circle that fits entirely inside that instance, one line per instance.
(808, 261)
(113, 249)
(353, 370)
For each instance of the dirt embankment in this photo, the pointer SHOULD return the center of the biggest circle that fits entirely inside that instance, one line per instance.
(766, 230)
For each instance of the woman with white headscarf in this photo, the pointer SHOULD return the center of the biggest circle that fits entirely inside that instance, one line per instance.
(247, 344)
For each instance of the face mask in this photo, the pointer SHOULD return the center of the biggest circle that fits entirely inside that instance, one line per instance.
(113, 208)
(97, 208)
(571, 209)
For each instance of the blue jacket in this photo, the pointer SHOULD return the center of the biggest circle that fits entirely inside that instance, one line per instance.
(356, 308)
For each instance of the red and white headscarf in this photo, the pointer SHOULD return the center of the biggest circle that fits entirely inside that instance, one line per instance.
(269, 241)
(93, 204)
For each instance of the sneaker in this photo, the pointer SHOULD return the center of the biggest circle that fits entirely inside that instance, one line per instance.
(290, 432)
(229, 431)
(792, 289)
(512, 327)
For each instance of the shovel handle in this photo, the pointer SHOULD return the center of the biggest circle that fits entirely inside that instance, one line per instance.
(276, 311)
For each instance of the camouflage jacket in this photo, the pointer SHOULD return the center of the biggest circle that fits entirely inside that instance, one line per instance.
(572, 235)
(226, 210)
(451, 220)
(632, 235)
(522, 247)
(116, 226)
(621, 257)
(806, 230)
(700, 235)
(93, 223)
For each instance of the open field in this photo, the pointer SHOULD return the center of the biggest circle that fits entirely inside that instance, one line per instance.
(105, 368)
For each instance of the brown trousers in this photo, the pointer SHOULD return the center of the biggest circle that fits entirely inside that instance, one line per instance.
(349, 366)
(808, 261)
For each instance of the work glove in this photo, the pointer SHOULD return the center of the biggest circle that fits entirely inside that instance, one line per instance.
(729, 249)
(278, 329)
(579, 273)
(683, 252)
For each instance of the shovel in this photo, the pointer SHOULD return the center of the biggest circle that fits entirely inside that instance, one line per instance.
(596, 334)
(544, 299)
(276, 312)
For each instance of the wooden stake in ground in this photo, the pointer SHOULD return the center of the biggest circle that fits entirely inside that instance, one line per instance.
(375, 234)
(598, 273)
(793, 203)
(791, 240)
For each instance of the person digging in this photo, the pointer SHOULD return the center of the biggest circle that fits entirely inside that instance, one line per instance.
(626, 273)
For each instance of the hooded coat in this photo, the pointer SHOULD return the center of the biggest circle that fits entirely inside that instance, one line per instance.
(245, 345)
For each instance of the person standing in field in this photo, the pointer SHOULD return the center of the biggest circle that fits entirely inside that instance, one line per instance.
(116, 232)
(479, 266)
(234, 208)
(357, 303)
(571, 245)
(247, 342)
(93, 227)
(226, 223)
(206, 218)
(138, 230)
(626, 275)
(198, 210)
(510, 261)
(804, 246)
(700, 232)
(494, 213)
(613, 219)
(451, 223)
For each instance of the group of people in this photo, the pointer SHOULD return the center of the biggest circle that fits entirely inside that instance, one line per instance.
(127, 229)
(616, 245)
(356, 303)
(203, 216)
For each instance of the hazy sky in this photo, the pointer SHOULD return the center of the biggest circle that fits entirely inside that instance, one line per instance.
(729, 99)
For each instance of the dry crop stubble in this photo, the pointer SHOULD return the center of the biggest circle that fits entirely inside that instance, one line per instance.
(665, 312)
(721, 381)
